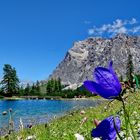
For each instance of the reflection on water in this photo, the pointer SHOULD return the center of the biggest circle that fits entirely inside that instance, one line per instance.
(40, 111)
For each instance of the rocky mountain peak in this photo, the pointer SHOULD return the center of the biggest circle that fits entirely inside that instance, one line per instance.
(85, 55)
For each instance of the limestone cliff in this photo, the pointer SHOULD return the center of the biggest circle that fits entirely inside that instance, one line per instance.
(85, 55)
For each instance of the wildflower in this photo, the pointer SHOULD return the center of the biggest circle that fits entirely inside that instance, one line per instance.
(107, 84)
(122, 134)
(138, 125)
(29, 125)
(31, 137)
(79, 137)
(82, 112)
(135, 114)
(83, 120)
(19, 138)
(96, 122)
(96, 139)
(107, 129)
(129, 138)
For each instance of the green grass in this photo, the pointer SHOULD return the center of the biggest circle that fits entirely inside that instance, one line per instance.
(65, 127)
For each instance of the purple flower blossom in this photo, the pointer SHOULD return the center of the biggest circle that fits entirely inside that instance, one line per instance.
(107, 84)
(107, 128)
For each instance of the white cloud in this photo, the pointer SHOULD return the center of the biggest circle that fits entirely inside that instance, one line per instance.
(87, 22)
(118, 26)
(118, 23)
(91, 31)
(135, 29)
(133, 21)
(121, 30)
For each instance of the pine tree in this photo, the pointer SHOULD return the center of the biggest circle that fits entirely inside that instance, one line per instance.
(59, 85)
(21, 90)
(48, 87)
(52, 85)
(27, 90)
(10, 82)
(33, 90)
(130, 70)
(56, 87)
(37, 87)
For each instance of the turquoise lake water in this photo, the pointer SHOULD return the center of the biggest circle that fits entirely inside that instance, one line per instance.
(39, 111)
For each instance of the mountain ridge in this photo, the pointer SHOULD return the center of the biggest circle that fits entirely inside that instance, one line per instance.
(85, 55)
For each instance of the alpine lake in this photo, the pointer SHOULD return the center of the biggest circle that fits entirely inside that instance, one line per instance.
(39, 111)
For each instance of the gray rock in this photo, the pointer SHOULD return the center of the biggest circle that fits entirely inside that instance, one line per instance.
(84, 56)
(4, 113)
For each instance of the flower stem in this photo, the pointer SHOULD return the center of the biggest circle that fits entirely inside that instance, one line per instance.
(127, 119)
(117, 129)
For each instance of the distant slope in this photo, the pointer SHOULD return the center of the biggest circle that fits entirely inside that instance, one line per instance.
(85, 55)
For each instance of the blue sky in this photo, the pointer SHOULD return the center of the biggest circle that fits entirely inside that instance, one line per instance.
(36, 34)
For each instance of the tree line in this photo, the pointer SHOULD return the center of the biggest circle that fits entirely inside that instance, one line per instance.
(10, 86)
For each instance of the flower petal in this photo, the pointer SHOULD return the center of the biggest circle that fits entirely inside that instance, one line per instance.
(106, 128)
(105, 78)
(79, 137)
(89, 85)
(116, 80)
(98, 89)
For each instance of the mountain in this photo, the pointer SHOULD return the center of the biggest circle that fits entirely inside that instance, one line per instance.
(84, 56)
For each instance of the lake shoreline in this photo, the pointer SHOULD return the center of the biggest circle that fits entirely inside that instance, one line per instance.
(46, 98)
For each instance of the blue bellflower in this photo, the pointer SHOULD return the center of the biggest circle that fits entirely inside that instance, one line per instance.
(107, 83)
(107, 129)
